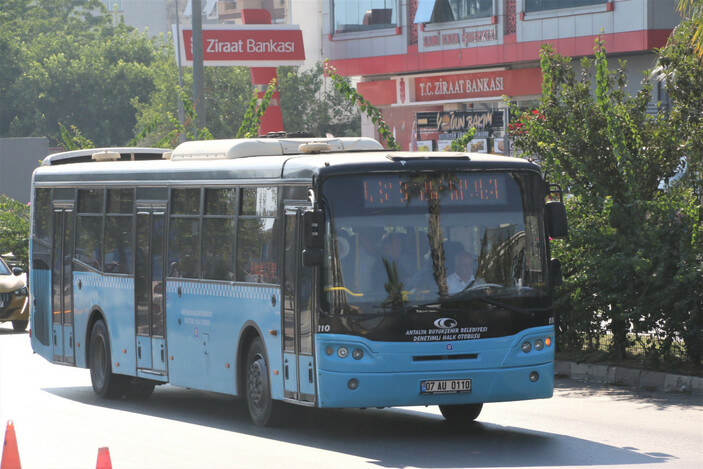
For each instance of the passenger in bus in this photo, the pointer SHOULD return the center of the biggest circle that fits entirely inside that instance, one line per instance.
(369, 239)
(464, 274)
(392, 256)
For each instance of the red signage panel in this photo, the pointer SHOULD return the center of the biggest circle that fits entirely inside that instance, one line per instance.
(254, 45)
(478, 85)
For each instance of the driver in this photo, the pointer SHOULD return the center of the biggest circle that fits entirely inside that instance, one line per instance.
(464, 274)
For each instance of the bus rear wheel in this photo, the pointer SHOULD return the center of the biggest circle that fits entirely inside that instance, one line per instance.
(106, 384)
(262, 408)
(461, 413)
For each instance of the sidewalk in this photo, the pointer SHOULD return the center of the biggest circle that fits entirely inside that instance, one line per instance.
(617, 375)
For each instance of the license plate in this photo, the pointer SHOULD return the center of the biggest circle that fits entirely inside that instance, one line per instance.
(445, 386)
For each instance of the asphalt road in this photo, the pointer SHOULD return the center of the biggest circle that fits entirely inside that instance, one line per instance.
(60, 423)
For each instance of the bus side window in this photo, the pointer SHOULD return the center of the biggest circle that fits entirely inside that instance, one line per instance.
(89, 229)
(119, 221)
(218, 234)
(258, 236)
(184, 239)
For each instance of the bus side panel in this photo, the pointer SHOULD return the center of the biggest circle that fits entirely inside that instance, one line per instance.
(40, 317)
(114, 295)
(203, 323)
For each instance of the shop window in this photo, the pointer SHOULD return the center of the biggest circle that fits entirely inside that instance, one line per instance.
(532, 6)
(364, 15)
(443, 11)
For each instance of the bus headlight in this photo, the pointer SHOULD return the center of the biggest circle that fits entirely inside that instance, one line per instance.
(343, 352)
(539, 345)
(357, 354)
(526, 347)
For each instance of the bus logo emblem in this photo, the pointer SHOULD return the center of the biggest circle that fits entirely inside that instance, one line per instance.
(445, 323)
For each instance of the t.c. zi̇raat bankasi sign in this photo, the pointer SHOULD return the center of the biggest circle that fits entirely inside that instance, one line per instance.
(247, 45)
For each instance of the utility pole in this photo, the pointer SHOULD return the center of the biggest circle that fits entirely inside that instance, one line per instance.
(198, 80)
(181, 111)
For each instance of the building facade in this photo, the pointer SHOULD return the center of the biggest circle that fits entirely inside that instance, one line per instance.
(19, 157)
(437, 68)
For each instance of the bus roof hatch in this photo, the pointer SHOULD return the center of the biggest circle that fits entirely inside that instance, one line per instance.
(250, 147)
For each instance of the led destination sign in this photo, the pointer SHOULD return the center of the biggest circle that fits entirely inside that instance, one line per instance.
(458, 189)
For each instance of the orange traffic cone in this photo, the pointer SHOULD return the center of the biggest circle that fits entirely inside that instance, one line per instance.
(104, 459)
(10, 454)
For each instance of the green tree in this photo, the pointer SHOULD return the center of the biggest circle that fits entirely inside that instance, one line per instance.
(344, 87)
(682, 73)
(631, 245)
(14, 229)
(228, 91)
(693, 10)
(307, 106)
(74, 67)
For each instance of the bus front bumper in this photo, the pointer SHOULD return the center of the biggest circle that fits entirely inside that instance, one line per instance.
(337, 389)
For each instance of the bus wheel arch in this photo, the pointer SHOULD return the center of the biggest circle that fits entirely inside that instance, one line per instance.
(250, 333)
(106, 384)
(255, 379)
(96, 315)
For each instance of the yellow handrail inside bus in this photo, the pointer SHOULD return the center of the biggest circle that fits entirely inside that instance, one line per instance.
(345, 289)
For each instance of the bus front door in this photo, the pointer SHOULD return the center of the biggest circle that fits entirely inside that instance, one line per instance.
(62, 285)
(149, 290)
(298, 361)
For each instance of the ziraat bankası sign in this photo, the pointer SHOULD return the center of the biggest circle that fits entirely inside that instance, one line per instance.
(246, 45)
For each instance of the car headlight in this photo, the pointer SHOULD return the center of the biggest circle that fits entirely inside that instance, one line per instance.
(21, 292)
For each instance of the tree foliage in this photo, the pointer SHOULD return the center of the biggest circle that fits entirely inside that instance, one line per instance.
(305, 106)
(14, 229)
(693, 10)
(308, 106)
(72, 66)
(343, 86)
(633, 250)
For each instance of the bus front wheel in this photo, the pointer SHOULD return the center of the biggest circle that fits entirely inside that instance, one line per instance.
(461, 413)
(106, 384)
(258, 386)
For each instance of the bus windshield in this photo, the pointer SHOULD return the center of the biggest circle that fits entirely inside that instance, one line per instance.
(400, 245)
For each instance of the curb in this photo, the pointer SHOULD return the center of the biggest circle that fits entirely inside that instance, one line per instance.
(618, 375)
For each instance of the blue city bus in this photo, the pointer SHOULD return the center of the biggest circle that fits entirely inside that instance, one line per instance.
(320, 272)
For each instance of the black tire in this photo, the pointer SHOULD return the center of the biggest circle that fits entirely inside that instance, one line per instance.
(106, 384)
(262, 408)
(19, 326)
(461, 413)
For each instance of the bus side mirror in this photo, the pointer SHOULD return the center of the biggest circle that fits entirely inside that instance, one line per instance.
(314, 227)
(555, 272)
(555, 218)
